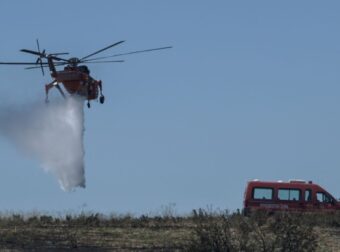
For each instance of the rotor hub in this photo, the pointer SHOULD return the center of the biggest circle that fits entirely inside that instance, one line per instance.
(74, 61)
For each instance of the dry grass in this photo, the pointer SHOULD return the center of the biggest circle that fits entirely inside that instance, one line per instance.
(94, 232)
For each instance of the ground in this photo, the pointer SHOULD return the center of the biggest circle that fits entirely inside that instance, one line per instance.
(97, 233)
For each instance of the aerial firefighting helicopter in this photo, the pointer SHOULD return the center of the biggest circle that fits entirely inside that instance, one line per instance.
(75, 78)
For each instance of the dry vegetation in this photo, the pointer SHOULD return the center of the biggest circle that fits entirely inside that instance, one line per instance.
(201, 231)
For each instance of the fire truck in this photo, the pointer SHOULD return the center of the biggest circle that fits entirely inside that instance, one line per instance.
(294, 195)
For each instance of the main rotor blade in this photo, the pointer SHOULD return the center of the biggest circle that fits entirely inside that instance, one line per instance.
(45, 65)
(57, 58)
(62, 53)
(43, 54)
(19, 63)
(31, 52)
(36, 67)
(105, 61)
(128, 53)
(102, 50)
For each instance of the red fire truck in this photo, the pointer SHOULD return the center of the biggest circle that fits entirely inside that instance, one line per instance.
(294, 195)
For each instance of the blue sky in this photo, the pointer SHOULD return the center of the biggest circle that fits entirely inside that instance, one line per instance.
(250, 90)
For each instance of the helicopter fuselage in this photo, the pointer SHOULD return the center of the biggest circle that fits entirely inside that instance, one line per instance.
(77, 81)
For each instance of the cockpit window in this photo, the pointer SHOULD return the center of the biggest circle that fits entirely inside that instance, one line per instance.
(84, 69)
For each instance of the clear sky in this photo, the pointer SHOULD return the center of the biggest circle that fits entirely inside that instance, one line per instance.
(250, 90)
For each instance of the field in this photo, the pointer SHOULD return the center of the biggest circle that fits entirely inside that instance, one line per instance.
(200, 231)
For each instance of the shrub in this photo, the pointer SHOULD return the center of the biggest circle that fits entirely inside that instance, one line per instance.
(258, 232)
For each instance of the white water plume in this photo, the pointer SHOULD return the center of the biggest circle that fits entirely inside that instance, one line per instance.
(52, 134)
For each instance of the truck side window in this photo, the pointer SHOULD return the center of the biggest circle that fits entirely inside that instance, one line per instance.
(263, 193)
(323, 198)
(289, 194)
(308, 195)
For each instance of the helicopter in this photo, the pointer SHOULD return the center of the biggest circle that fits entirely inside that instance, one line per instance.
(75, 76)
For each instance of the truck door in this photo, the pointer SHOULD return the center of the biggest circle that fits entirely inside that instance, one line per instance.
(324, 201)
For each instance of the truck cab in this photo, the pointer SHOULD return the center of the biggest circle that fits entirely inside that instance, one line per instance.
(294, 195)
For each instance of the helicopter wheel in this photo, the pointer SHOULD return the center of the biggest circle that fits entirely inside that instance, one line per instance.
(102, 99)
(88, 104)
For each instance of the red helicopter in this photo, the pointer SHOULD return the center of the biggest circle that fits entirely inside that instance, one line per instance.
(75, 78)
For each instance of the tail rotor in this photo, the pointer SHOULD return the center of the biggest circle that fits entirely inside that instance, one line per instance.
(43, 55)
(39, 59)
